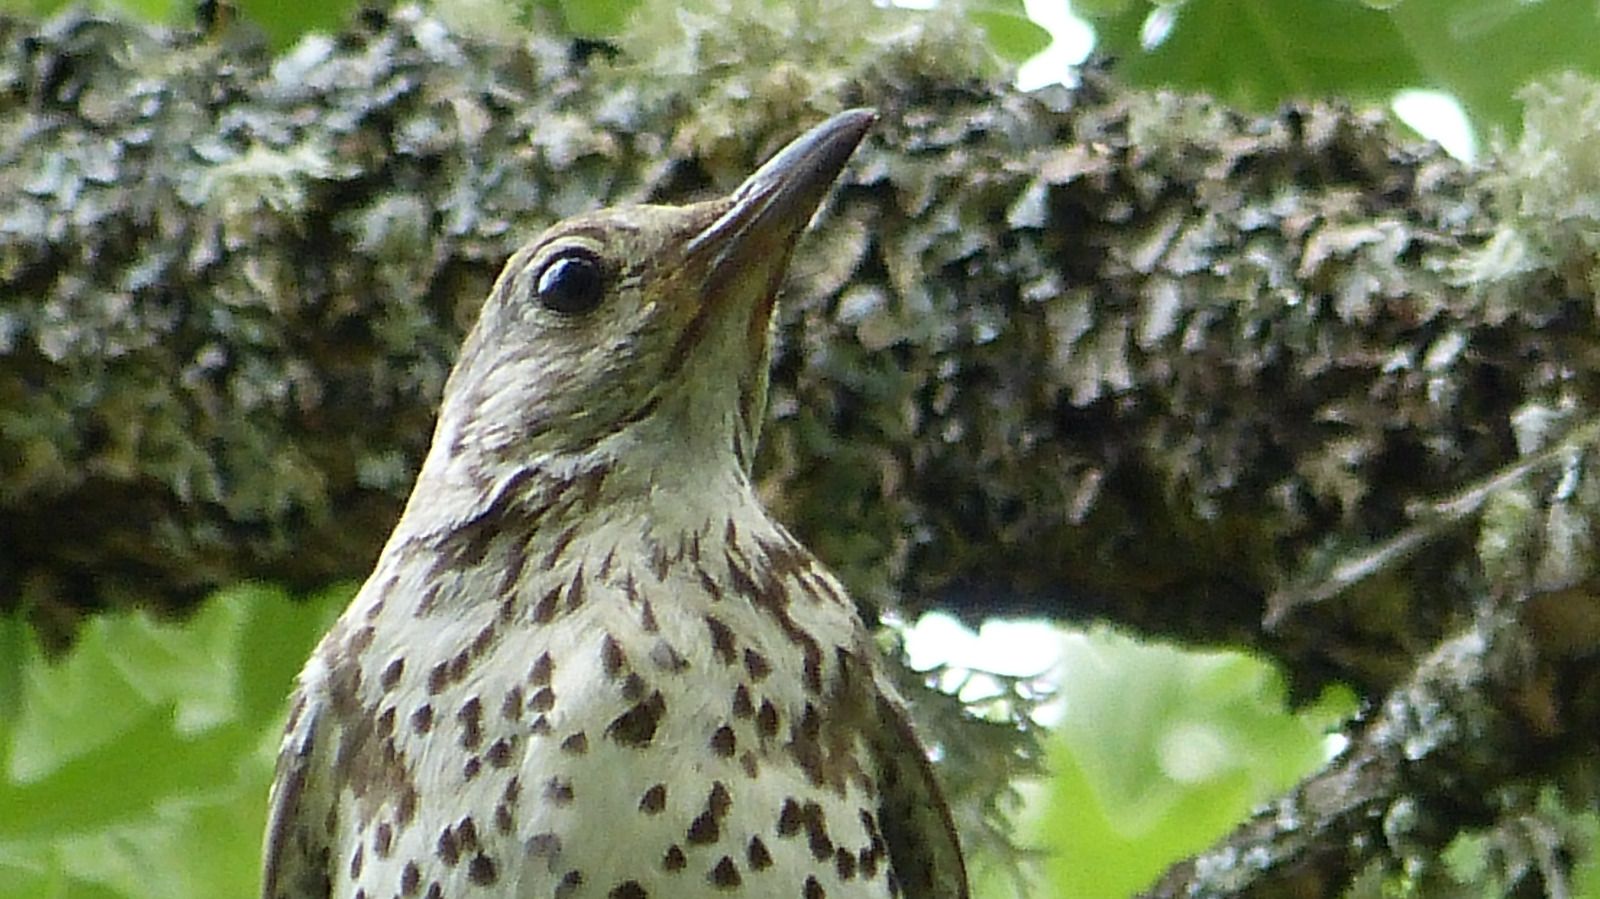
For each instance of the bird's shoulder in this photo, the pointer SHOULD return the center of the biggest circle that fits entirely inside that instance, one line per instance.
(296, 862)
(913, 812)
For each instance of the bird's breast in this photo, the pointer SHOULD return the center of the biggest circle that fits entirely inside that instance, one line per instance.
(681, 717)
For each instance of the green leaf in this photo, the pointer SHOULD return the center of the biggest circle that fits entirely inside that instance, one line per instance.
(1160, 752)
(137, 765)
(1484, 51)
(1259, 53)
(286, 23)
(171, 12)
(597, 18)
(1012, 35)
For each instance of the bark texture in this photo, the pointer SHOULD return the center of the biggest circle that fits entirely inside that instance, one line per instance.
(1088, 354)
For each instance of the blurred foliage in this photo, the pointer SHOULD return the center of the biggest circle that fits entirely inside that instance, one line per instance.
(137, 765)
(1161, 751)
(1258, 53)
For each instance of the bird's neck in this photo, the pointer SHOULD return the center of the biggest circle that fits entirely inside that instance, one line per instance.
(548, 522)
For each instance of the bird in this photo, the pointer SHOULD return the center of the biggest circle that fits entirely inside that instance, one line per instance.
(588, 662)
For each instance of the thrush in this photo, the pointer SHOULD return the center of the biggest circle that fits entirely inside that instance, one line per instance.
(588, 662)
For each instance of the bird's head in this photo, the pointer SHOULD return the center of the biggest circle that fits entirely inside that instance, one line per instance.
(640, 334)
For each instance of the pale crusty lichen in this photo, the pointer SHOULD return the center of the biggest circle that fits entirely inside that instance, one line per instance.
(1546, 193)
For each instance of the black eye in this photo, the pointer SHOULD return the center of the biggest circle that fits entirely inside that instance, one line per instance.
(572, 283)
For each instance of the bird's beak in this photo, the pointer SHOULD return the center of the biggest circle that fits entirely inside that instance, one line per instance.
(755, 234)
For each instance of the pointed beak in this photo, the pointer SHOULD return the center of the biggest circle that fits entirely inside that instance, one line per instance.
(770, 209)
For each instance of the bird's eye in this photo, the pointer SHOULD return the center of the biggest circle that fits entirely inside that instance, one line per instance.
(571, 283)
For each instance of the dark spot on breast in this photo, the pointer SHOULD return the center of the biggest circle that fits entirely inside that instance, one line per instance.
(543, 667)
(844, 863)
(447, 849)
(481, 870)
(703, 829)
(725, 875)
(756, 664)
(459, 666)
(633, 687)
(817, 832)
(542, 701)
(654, 799)
(569, 884)
(356, 860)
(709, 584)
(391, 674)
(722, 642)
(471, 717)
(429, 597)
(789, 818)
(471, 768)
(575, 593)
(659, 562)
(562, 541)
(577, 744)
(813, 668)
(410, 879)
(637, 726)
(511, 706)
(386, 722)
(559, 791)
(674, 860)
(611, 657)
(719, 800)
(814, 889)
(767, 719)
(742, 706)
(723, 742)
(438, 678)
(807, 756)
(499, 753)
(546, 846)
(406, 809)
(382, 839)
(628, 889)
(484, 639)
(757, 856)
(422, 719)
(545, 610)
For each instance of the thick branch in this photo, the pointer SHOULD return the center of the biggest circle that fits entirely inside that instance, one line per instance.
(1090, 355)
(1464, 741)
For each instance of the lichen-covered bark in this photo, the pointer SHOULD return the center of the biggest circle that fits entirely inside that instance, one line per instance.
(1086, 354)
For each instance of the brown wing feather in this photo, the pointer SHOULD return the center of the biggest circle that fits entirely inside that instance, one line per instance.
(924, 849)
(297, 859)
